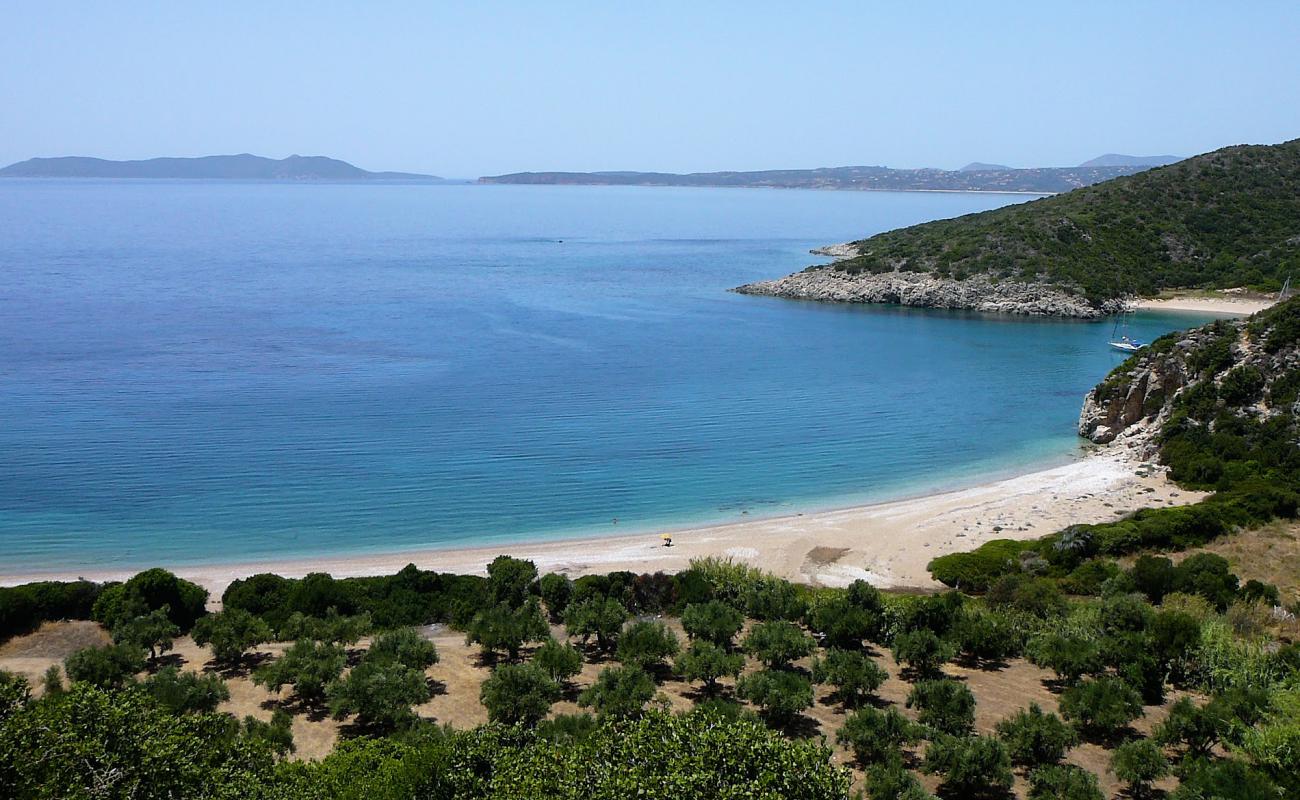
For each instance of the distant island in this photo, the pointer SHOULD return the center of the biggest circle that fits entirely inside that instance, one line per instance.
(238, 167)
(1226, 219)
(974, 177)
(1118, 160)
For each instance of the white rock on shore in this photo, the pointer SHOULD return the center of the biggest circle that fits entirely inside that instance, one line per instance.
(976, 293)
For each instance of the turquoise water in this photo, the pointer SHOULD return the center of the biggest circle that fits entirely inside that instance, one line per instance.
(204, 372)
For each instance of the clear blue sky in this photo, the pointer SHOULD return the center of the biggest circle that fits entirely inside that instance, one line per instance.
(468, 89)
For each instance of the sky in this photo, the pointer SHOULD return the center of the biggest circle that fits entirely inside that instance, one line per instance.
(470, 89)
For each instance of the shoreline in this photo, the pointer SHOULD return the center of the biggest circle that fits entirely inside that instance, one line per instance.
(1235, 306)
(887, 543)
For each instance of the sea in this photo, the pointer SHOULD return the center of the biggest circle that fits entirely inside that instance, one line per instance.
(202, 372)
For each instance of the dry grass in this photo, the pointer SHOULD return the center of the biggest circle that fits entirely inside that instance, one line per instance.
(1270, 554)
(460, 670)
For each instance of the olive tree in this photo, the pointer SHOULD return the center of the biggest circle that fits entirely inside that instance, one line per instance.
(518, 694)
(713, 621)
(706, 661)
(875, 736)
(186, 692)
(231, 633)
(1139, 763)
(781, 694)
(153, 631)
(619, 692)
(106, 667)
(598, 616)
(945, 705)
(923, 652)
(778, 643)
(308, 666)
(1034, 738)
(559, 660)
(971, 766)
(853, 674)
(647, 645)
(1101, 707)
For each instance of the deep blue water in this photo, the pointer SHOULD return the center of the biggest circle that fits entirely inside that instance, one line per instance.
(216, 371)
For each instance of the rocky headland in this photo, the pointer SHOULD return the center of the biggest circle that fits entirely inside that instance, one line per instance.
(975, 293)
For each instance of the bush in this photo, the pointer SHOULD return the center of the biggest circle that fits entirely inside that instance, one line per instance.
(974, 766)
(556, 591)
(1101, 707)
(945, 705)
(149, 591)
(518, 694)
(275, 735)
(1139, 763)
(602, 617)
(875, 736)
(105, 667)
(647, 645)
(706, 661)
(989, 638)
(186, 692)
(1034, 738)
(308, 666)
(714, 622)
(841, 622)
(231, 633)
(619, 692)
(854, 675)
(502, 628)
(380, 692)
(778, 643)
(1196, 728)
(560, 661)
(406, 647)
(23, 608)
(153, 632)
(332, 628)
(977, 570)
(923, 652)
(1207, 575)
(781, 694)
(1063, 782)
(771, 599)
(1225, 779)
(509, 580)
(891, 781)
(1070, 657)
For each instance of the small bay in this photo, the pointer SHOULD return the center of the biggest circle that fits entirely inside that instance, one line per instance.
(208, 371)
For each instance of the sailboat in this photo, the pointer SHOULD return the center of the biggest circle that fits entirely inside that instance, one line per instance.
(1121, 341)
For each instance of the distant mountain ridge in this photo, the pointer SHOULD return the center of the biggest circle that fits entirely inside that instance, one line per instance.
(1119, 160)
(973, 178)
(234, 167)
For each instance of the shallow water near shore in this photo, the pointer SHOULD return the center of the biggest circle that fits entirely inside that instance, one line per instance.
(209, 372)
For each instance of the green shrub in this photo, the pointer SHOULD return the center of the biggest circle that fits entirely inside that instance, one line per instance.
(149, 591)
(1034, 738)
(977, 570)
(974, 766)
(945, 705)
(1101, 707)
(714, 621)
(1139, 763)
(780, 693)
(647, 645)
(23, 608)
(619, 692)
(853, 674)
(778, 643)
(1063, 782)
(518, 694)
(105, 667)
(559, 660)
(875, 736)
(556, 591)
(922, 652)
(706, 661)
(186, 692)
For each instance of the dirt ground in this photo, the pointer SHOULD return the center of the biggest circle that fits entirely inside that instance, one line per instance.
(459, 671)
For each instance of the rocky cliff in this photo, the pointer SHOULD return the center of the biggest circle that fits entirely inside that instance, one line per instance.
(1218, 380)
(976, 293)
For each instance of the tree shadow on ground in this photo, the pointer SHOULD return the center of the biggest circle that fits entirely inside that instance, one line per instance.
(241, 668)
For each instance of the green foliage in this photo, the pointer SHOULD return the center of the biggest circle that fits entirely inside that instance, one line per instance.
(772, 598)
(619, 692)
(1034, 738)
(706, 661)
(977, 570)
(944, 705)
(308, 666)
(778, 643)
(567, 728)
(853, 674)
(986, 637)
(713, 621)
(781, 694)
(727, 579)
(647, 645)
(518, 694)
(923, 652)
(1070, 657)
(1224, 779)
(890, 780)
(1196, 728)
(186, 692)
(602, 617)
(379, 691)
(23, 608)
(153, 631)
(331, 627)
(559, 660)
(1063, 782)
(1139, 763)
(405, 646)
(509, 580)
(876, 736)
(556, 591)
(231, 633)
(1101, 707)
(276, 736)
(501, 628)
(841, 622)
(105, 667)
(150, 591)
(52, 681)
(971, 766)
(1221, 219)
(105, 744)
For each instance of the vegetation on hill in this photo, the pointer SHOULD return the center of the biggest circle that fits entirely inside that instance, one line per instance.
(1223, 219)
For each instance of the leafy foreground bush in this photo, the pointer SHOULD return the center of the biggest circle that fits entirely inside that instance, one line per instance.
(659, 757)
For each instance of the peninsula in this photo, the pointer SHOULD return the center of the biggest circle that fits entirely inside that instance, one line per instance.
(1225, 219)
(244, 166)
(974, 177)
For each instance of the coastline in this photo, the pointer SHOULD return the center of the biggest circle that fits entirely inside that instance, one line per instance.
(888, 543)
(1235, 306)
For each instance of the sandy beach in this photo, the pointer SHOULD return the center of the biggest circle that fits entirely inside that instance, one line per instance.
(1236, 306)
(888, 544)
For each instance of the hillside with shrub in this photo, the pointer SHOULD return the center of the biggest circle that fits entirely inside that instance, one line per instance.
(1229, 218)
